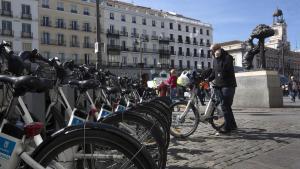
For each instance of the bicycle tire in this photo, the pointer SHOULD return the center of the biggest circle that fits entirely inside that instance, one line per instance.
(132, 117)
(217, 121)
(176, 131)
(93, 133)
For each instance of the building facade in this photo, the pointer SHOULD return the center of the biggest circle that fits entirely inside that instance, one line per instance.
(131, 36)
(19, 24)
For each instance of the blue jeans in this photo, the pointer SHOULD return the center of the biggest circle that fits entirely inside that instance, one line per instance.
(226, 100)
(293, 94)
(173, 93)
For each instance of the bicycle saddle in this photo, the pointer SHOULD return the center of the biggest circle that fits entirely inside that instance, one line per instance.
(24, 84)
(112, 90)
(85, 84)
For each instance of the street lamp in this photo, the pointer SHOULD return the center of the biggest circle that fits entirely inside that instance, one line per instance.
(139, 41)
(98, 32)
(281, 46)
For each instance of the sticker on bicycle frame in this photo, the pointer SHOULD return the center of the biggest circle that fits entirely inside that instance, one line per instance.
(6, 148)
(121, 108)
(104, 113)
(77, 121)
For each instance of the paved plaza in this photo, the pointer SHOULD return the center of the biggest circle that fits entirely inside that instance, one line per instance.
(267, 138)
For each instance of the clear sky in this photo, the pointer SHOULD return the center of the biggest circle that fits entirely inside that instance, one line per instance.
(233, 19)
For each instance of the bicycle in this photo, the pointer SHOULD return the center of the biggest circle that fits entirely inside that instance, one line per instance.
(186, 115)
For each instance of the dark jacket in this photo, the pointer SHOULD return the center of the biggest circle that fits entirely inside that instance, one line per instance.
(293, 85)
(223, 71)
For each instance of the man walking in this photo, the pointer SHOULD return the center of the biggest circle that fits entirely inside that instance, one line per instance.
(293, 88)
(225, 84)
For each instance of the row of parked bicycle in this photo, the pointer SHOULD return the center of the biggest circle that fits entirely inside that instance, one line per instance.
(114, 123)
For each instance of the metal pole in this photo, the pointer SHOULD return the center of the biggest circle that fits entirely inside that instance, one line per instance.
(262, 53)
(141, 57)
(99, 59)
(282, 54)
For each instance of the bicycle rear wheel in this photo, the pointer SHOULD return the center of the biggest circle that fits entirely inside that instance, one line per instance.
(183, 126)
(217, 120)
(93, 146)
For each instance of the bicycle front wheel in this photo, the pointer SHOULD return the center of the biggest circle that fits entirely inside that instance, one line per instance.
(217, 120)
(104, 147)
(184, 126)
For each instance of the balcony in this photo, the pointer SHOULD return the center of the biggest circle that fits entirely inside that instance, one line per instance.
(27, 16)
(61, 43)
(73, 11)
(208, 44)
(124, 48)
(123, 33)
(45, 6)
(74, 44)
(113, 33)
(46, 24)
(7, 32)
(195, 43)
(154, 37)
(28, 35)
(173, 52)
(74, 27)
(113, 47)
(86, 29)
(145, 37)
(88, 45)
(61, 25)
(164, 52)
(135, 49)
(147, 50)
(164, 40)
(180, 41)
(135, 35)
(53, 42)
(202, 55)
(188, 54)
(113, 64)
(172, 40)
(7, 13)
(201, 44)
(187, 41)
(180, 53)
(196, 54)
(60, 8)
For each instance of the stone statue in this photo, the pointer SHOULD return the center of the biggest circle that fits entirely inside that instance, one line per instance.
(261, 32)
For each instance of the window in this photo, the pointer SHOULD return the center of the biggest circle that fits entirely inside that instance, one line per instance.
(145, 61)
(179, 27)
(124, 60)
(111, 16)
(74, 41)
(179, 39)
(46, 38)
(194, 30)
(111, 28)
(74, 25)
(134, 59)
(208, 65)
(60, 39)
(196, 65)
(86, 11)
(46, 21)
(172, 63)
(162, 25)
(6, 25)
(60, 23)
(46, 55)
(86, 27)
(207, 32)
(188, 52)
(154, 47)
(133, 19)
(144, 21)
(187, 40)
(26, 9)
(202, 65)
(61, 56)
(123, 18)
(87, 58)
(27, 46)
(75, 57)
(171, 25)
(202, 53)
(187, 28)
(153, 23)
(86, 42)
(180, 64)
(73, 8)
(201, 31)
(180, 51)
(171, 37)
(154, 62)
(60, 6)
(208, 54)
(201, 41)
(45, 3)
(188, 64)
(195, 53)
(26, 27)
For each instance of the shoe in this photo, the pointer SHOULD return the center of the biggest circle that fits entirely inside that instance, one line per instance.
(224, 133)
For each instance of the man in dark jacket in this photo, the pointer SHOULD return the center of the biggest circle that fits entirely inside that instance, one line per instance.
(225, 84)
(293, 88)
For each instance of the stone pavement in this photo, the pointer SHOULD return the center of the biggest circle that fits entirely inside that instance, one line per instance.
(262, 133)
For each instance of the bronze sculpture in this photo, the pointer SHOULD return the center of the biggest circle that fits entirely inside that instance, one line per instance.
(261, 32)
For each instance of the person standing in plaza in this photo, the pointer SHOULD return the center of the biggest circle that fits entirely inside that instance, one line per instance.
(293, 88)
(224, 81)
(172, 81)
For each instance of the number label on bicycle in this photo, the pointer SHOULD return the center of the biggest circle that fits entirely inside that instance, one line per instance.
(121, 108)
(77, 121)
(6, 148)
(103, 113)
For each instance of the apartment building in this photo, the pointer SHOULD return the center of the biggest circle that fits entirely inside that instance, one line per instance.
(153, 38)
(131, 36)
(19, 24)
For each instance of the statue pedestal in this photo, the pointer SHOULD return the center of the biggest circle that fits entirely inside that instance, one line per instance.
(258, 89)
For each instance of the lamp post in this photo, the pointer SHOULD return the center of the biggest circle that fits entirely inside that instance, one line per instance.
(139, 41)
(98, 43)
